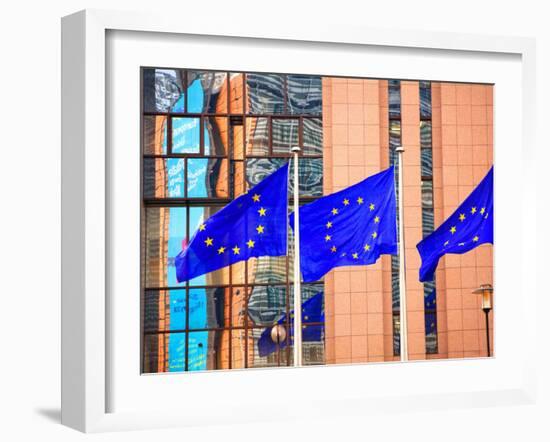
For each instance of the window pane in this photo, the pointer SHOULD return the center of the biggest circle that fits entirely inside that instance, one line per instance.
(310, 174)
(285, 134)
(267, 269)
(215, 136)
(236, 89)
(313, 136)
(163, 177)
(426, 162)
(426, 134)
(254, 358)
(265, 93)
(394, 98)
(207, 92)
(186, 135)
(154, 135)
(313, 344)
(207, 178)
(165, 237)
(238, 349)
(425, 99)
(304, 94)
(267, 304)
(163, 90)
(164, 310)
(208, 350)
(257, 136)
(164, 352)
(207, 308)
(238, 306)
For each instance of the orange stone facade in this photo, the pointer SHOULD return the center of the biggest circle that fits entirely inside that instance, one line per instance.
(358, 300)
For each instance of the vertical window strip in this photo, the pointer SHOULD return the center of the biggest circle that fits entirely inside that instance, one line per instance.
(426, 150)
(394, 115)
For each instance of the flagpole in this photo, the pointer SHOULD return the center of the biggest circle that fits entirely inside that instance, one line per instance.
(297, 323)
(402, 289)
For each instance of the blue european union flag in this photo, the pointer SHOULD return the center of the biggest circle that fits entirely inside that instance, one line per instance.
(252, 225)
(468, 227)
(312, 311)
(351, 227)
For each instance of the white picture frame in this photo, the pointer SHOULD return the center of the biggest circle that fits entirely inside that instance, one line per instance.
(87, 228)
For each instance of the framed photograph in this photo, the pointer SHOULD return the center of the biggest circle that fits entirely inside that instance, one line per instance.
(198, 164)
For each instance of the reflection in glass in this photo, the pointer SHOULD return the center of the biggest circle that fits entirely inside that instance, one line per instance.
(267, 304)
(313, 351)
(207, 308)
(207, 92)
(265, 93)
(310, 173)
(163, 90)
(312, 136)
(164, 310)
(425, 99)
(394, 98)
(163, 177)
(257, 136)
(207, 178)
(430, 317)
(186, 135)
(154, 135)
(267, 269)
(215, 136)
(236, 87)
(254, 358)
(208, 350)
(165, 238)
(427, 208)
(304, 94)
(284, 134)
(238, 349)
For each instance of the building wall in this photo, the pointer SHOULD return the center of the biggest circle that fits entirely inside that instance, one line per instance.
(358, 300)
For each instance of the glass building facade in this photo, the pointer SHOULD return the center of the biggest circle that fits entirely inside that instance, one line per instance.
(207, 138)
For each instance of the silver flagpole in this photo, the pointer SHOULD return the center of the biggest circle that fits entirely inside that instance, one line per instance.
(402, 288)
(297, 286)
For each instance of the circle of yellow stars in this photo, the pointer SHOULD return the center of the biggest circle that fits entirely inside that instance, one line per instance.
(236, 250)
(335, 211)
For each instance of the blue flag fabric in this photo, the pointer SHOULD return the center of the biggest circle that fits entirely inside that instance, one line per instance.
(312, 311)
(252, 225)
(468, 227)
(351, 227)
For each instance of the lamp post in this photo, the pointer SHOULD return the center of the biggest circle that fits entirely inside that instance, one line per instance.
(486, 291)
(278, 335)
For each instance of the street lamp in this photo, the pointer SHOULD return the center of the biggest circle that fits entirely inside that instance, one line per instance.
(486, 291)
(278, 335)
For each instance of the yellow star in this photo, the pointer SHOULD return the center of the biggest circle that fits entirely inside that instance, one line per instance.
(461, 243)
(202, 227)
(250, 243)
(329, 225)
(374, 235)
(328, 238)
(346, 202)
(366, 247)
(371, 207)
(260, 229)
(208, 241)
(355, 255)
(256, 198)
(476, 238)
(359, 200)
(445, 243)
(482, 211)
(335, 211)
(221, 250)
(462, 217)
(453, 230)
(333, 249)
(474, 210)
(376, 219)
(262, 211)
(236, 250)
